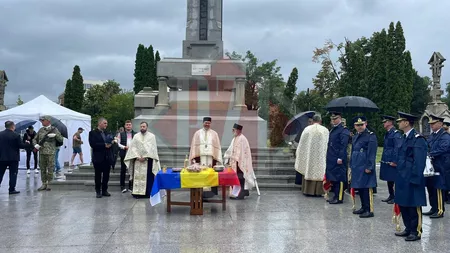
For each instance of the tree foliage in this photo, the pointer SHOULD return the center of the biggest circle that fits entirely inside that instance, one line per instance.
(19, 101)
(119, 108)
(74, 91)
(421, 92)
(139, 69)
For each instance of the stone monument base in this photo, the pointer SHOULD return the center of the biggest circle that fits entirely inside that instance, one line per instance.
(177, 127)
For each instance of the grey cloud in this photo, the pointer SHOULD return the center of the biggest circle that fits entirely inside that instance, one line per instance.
(43, 40)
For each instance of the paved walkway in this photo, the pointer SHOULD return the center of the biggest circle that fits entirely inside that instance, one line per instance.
(75, 221)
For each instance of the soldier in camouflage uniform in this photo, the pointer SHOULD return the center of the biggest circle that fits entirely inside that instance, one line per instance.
(45, 143)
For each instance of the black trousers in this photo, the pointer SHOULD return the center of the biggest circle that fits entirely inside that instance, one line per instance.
(338, 189)
(123, 172)
(241, 178)
(13, 170)
(412, 218)
(391, 189)
(102, 171)
(35, 156)
(435, 196)
(366, 196)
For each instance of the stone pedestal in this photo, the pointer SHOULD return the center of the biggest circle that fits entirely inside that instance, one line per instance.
(239, 102)
(163, 96)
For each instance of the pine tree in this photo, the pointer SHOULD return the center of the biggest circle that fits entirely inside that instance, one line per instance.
(289, 92)
(151, 80)
(77, 90)
(139, 69)
(68, 94)
(157, 59)
(19, 101)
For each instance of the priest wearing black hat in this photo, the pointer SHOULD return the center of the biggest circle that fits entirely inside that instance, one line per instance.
(410, 181)
(388, 167)
(239, 156)
(362, 165)
(206, 150)
(336, 165)
(439, 143)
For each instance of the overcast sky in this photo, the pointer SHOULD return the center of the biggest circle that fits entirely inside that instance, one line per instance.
(41, 40)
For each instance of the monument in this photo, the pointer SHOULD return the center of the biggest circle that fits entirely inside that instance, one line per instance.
(3, 81)
(436, 106)
(201, 83)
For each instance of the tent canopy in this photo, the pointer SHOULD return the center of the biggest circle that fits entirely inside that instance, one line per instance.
(41, 106)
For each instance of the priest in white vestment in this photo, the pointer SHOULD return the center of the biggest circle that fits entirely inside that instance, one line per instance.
(311, 157)
(239, 156)
(142, 161)
(206, 150)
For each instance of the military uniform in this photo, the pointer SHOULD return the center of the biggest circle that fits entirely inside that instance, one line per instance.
(439, 144)
(46, 146)
(392, 143)
(410, 181)
(364, 152)
(337, 149)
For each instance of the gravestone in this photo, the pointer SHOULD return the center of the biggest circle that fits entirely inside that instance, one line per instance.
(436, 106)
(3, 81)
(201, 83)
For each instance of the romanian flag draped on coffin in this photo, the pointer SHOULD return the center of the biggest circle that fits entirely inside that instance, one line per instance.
(186, 179)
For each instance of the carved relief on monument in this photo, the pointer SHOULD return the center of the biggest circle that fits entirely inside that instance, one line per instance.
(203, 29)
(192, 19)
(436, 61)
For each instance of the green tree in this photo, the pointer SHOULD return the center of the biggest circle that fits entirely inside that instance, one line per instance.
(157, 59)
(119, 108)
(139, 72)
(421, 94)
(151, 80)
(68, 94)
(289, 91)
(98, 97)
(74, 99)
(447, 98)
(19, 101)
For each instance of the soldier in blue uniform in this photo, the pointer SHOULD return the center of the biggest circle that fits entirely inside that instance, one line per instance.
(362, 165)
(410, 182)
(392, 143)
(336, 168)
(439, 144)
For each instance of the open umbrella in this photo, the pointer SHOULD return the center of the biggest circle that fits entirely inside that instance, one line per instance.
(352, 104)
(59, 125)
(294, 128)
(24, 124)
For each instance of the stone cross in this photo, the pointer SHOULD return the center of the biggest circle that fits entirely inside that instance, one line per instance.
(436, 61)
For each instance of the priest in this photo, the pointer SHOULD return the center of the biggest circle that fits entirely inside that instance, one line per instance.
(206, 150)
(311, 157)
(142, 161)
(239, 156)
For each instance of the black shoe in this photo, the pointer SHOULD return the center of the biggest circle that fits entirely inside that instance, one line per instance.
(436, 216)
(390, 202)
(360, 211)
(366, 215)
(106, 194)
(238, 197)
(431, 212)
(388, 199)
(404, 233)
(14, 192)
(246, 193)
(335, 201)
(411, 238)
(99, 195)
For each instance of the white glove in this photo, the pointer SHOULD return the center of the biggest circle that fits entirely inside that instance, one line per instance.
(37, 146)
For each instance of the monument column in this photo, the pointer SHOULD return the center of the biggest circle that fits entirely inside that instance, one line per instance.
(163, 95)
(239, 102)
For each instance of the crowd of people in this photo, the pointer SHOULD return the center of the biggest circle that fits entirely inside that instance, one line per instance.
(322, 158)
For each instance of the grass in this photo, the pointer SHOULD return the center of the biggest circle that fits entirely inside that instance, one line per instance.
(379, 153)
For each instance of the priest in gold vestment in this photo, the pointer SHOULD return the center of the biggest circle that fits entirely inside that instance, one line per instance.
(239, 156)
(311, 157)
(206, 150)
(142, 161)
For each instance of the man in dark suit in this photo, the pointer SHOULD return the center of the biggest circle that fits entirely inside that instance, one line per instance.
(10, 154)
(102, 156)
(125, 138)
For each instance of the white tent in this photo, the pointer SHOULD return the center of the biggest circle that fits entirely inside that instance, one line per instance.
(40, 106)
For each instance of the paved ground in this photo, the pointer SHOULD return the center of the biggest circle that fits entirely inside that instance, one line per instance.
(273, 222)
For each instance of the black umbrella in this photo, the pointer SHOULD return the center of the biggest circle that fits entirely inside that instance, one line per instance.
(59, 125)
(295, 126)
(352, 104)
(24, 124)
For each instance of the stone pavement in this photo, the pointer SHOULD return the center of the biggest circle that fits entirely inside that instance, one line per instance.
(285, 221)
